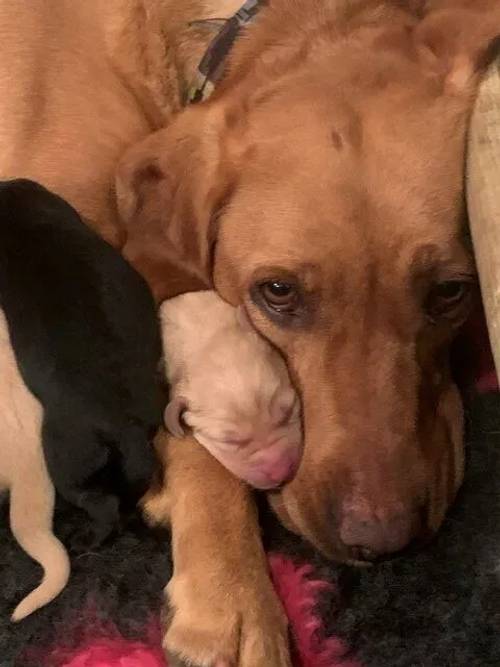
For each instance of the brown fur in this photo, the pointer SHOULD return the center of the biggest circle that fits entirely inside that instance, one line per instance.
(356, 197)
(374, 171)
(81, 82)
(218, 614)
(380, 100)
(24, 473)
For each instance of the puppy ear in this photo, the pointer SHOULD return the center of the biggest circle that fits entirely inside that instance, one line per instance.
(457, 39)
(173, 416)
(169, 189)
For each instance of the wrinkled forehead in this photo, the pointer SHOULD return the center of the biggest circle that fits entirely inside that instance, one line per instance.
(326, 182)
(329, 230)
(227, 411)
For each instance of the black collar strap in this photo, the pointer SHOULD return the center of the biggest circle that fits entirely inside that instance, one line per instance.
(211, 67)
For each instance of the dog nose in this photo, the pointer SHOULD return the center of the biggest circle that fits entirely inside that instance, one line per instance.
(379, 533)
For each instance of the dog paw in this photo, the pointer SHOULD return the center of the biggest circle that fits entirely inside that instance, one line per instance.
(218, 626)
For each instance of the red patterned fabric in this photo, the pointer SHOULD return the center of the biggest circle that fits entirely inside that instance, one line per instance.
(299, 591)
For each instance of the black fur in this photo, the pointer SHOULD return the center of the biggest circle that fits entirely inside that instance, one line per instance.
(84, 330)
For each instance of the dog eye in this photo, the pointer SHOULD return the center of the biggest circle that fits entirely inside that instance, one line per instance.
(445, 298)
(279, 295)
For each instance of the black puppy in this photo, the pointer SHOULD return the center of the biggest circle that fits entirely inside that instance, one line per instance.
(85, 333)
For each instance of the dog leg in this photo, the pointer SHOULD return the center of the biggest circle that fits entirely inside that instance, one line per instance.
(222, 610)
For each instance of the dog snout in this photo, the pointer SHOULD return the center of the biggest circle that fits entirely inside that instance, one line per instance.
(376, 532)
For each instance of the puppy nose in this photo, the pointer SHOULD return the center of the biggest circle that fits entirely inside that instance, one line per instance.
(282, 470)
(279, 470)
(379, 533)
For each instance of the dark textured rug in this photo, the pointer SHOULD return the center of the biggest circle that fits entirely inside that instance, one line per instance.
(440, 607)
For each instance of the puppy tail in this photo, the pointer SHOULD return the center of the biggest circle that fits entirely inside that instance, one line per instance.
(32, 499)
(53, 557)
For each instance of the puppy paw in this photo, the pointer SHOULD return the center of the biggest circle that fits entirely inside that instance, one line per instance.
(225, 625)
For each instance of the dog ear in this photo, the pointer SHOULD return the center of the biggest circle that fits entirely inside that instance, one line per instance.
(169, 189)
(457, 39)
(173, 416)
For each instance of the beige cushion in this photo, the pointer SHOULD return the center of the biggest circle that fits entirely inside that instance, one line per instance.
(483, 197)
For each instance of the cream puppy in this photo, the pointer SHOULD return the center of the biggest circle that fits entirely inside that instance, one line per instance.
(232, 388)
(24, 473)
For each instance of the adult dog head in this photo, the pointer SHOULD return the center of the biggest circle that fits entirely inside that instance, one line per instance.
(322, 187)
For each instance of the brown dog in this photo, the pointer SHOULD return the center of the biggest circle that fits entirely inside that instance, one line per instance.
(333, 149)
(230, 388)
(322, 187)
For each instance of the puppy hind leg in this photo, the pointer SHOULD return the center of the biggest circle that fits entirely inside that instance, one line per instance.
(77, 463)
(137, 464)
(104, 514)
(31, 515)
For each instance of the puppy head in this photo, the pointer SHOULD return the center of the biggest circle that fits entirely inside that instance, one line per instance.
(322, 187)
(239, 403)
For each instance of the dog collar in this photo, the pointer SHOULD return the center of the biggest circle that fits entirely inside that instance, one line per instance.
(211, 67)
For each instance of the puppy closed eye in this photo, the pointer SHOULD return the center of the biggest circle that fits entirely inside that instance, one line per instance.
(234, 439)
